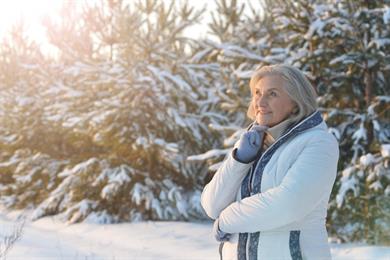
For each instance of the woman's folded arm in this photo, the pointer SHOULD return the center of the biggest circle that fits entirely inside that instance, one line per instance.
(221, 191)
(307, 181)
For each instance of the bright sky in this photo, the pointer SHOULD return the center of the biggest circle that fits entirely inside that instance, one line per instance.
(32, 11)
(11, 11)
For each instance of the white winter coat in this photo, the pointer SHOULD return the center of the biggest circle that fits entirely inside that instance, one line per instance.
(295, 187)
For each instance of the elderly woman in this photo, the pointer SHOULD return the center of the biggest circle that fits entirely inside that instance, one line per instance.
(269, 197)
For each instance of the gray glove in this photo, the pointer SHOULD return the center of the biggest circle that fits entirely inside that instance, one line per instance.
(250, 143)
(219, 235)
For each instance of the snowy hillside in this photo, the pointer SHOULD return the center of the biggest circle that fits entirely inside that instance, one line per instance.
(48, 238)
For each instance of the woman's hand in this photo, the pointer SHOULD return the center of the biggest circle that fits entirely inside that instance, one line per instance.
(219, 235)
(250, 144)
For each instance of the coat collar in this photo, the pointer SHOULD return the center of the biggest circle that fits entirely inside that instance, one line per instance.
(311, 121)
(286, 128)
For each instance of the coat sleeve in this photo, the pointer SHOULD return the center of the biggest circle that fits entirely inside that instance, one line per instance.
(306, 182)
(221, 191)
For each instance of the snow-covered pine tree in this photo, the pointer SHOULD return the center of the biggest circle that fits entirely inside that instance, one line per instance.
(342, 47)
(129, 100)
(357, 107)
(241, 34)
(24, 170)
(144, 117)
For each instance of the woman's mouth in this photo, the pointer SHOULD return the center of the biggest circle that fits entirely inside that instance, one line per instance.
(263, 112)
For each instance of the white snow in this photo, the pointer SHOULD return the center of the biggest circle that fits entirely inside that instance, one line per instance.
(245, 74)
(72, 122)
(387, 190)
(315, 27)
(24, 101)
(385, 150)
(235, 51)
(377, 126)
(7, 139)
(209, 154)
(48, 238)
(348, 182)
(171, 147)
(360, 134)
(383, 98)
(367, 159)
(379, 42)
(386, 16)
(377, 186)
(222, 128)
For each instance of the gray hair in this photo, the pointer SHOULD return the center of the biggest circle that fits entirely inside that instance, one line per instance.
(297, 86)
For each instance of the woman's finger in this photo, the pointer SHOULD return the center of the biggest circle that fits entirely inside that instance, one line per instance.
(257, 139)
(252, 138)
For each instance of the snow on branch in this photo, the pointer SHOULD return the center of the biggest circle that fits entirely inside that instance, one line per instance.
(209, 154)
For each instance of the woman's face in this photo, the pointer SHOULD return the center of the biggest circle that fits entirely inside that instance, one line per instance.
(271, 102)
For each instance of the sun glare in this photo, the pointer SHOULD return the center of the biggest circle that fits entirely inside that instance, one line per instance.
(29, 11)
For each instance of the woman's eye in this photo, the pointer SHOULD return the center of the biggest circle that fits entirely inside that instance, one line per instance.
(272, 94)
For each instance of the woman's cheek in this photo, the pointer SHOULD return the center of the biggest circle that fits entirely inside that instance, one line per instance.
(262, 119)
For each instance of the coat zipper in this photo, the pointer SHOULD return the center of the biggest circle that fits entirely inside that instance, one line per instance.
(250, 193)
(250, 180)
(247, 246)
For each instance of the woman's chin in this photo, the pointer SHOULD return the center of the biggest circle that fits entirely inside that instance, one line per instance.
(261, 121)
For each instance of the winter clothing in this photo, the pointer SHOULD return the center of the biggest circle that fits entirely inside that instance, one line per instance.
(276, 206)
(249, 144)
(219, 235)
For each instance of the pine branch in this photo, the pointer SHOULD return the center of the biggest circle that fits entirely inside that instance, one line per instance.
(10, 240)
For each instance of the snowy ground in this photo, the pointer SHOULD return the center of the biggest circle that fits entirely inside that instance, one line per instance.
(50, 239)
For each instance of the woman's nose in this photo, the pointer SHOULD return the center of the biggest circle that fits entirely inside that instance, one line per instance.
(260, 101)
